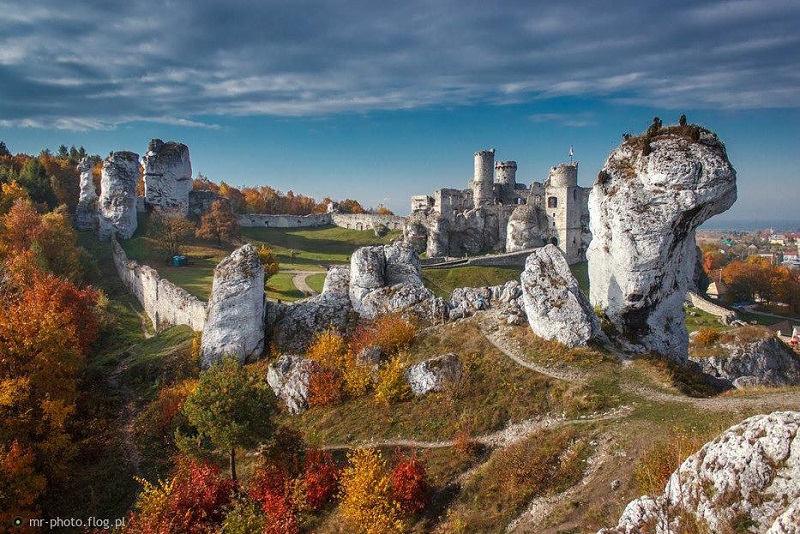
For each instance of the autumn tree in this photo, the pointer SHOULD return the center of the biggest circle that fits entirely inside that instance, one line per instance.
(410, 485)
(21, 485)
(269, 260)
(33, 178)
(9, 194)
(233, 195)
(231, 407)
(219, 224)
(366, 494)
(349, 205)
(169, 231)
(46, 329)
(203, 183)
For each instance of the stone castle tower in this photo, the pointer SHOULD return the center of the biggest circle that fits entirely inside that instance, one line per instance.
(479, 219)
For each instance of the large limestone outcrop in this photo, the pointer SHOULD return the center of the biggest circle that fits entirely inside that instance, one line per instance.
(465, 301)
(434, 374)
(167, 176)
(416, 233)
(118, 195)
(389, 278)
(556, 307)
(748, 356)
(526, 228)
(86, 211)
(288, 377)
(651, 195)
(749, 475)
(235, 322)
(292, 326)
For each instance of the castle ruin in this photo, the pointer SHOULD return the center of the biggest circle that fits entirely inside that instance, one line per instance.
(498, 214)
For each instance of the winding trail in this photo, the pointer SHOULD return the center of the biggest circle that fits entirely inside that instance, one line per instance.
(128, 415)
(299, 281)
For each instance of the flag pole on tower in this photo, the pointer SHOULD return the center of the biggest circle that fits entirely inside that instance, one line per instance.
(571, 153)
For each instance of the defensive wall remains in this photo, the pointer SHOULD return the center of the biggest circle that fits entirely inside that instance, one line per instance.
(163, 301)
(508, 259)
(725, 315)
(361, 221)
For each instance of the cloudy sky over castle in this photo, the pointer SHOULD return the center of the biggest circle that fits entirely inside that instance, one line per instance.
(379, 100)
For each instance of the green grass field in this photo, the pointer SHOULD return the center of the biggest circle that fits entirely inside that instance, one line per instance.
(443, 281)
(314, 248)
(316, 281)
(280, 287)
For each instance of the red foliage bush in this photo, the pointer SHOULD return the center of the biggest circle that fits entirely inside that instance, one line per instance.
(321, 478)
(271, 487)
(410, 485)
(325, 388)
(199, 496)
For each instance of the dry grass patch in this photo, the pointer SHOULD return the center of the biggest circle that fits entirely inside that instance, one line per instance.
(709, 348)
(546, 463)
(553, 353)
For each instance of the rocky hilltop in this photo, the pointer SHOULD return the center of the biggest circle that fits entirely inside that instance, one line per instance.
(652, 193)
(745, 477)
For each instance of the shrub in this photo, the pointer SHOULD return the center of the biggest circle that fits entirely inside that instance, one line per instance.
(285, 448)
(410, 485)
(357, 377)
(320, 478)
(272, 488)
(706, 336)
(244, 518)
(325, 388)
(329, 349)
(391, 332)
(654, 467)
(392, 386)
(365, 491)
(194, 501)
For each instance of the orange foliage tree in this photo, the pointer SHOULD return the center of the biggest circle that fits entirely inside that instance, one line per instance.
(366, 494)
(46, 329)
(219, 224)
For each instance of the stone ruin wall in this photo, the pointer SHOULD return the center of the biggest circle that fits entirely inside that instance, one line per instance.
(163, 301)
(707, 306)
(361, 221)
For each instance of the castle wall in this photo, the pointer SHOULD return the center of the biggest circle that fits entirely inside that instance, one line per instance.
(353, 221)
(259, 220)
(163, 301)
(707, 306)
(367, 221)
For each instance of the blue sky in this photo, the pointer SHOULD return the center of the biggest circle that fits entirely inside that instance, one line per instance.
(378, 101)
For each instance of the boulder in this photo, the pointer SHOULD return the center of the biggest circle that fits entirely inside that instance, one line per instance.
(167, 176)
(235, 322)
(749, 475)
(117, 201)
(288, 377)
(556, 307)
(86, 210)
(749, 357)
(434, 374)
(464, 301)
(292, 326)
(387, 279)
(526, 227)
(651, 195)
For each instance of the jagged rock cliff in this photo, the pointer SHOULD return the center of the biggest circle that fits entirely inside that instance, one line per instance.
(117, 201)
(235, 322)
(292, 326)
(167, 176)
(556, 307)
(526, 228)
(86, 210)
(653, 192)
(748, 357)
(748, 476)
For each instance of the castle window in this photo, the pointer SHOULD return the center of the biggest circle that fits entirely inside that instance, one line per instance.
(552, 202)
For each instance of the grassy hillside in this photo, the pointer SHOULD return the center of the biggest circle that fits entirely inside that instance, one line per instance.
(312, 248)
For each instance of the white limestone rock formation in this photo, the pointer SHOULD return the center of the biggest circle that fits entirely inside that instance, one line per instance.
(117, 201)
(438, 237)
(747, 357)
(556, 307)
(167, 176)
(288, 377)
(526, 226)
(416, 233)
(465, 301)
(651, 195)
(86, 210)
(235, 322)
(292, 326)
(389, 278)
(749, 475)
(434, 374)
